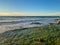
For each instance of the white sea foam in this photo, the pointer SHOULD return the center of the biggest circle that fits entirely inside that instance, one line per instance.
(23, 23)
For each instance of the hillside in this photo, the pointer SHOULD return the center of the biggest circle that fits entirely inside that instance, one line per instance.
(44, 35)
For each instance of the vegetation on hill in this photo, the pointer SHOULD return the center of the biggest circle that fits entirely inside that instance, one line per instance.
(44, 35)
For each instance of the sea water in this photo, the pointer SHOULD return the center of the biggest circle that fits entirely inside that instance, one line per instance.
(17, 22)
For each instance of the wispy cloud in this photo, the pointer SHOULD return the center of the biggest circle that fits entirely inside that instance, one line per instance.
(28, 14)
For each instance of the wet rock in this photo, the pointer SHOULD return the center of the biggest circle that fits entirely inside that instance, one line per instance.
(36, 23)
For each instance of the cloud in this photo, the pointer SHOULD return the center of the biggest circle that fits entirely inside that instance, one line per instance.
(28, 14)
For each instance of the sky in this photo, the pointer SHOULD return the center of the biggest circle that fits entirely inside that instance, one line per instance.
(29, 7)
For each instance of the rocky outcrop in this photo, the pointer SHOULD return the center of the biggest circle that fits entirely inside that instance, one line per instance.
(58, 21)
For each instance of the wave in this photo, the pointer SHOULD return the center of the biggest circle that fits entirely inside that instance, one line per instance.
(17, 23)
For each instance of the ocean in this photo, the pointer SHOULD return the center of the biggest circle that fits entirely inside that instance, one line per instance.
(17, 22)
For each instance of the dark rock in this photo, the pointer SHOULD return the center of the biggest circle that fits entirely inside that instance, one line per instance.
(36, 23)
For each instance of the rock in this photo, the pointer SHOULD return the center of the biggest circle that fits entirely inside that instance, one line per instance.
(58, 21)
(36, 23)
(50, 24)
